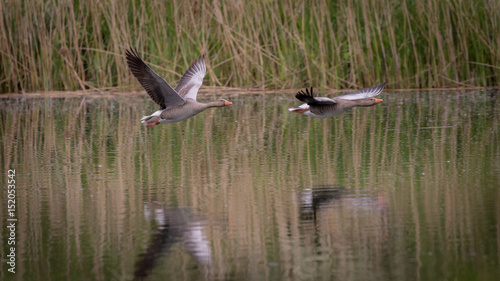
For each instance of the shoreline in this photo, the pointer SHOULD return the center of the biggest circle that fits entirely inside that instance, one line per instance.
(212, 91)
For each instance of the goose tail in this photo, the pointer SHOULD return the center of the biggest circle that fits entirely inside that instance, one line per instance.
(151, 118)
(301, 109)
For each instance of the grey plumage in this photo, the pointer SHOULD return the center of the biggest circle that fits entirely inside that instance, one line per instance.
(323, 107)
(175, 105)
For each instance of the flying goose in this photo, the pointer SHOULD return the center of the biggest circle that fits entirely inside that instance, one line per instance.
(323, 107)
(175, 105)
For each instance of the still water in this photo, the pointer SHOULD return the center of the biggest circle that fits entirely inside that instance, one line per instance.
(406, 190)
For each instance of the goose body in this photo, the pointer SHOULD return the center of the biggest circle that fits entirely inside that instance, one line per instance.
(323, 107)
(176, 104)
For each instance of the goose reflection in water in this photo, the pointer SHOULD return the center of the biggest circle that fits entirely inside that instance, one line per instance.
(316, 198)
(173, 225)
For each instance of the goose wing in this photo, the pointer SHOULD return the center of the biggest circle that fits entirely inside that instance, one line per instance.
(308, 98)
(192, 79)
(364, 93)
(156, 87)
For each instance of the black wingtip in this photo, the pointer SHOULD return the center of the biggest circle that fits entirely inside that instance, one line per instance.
(131, 52)
(377, 88)
(304, 95)
(134, 62)
(132, 56)
(381, 86)
(309, 91)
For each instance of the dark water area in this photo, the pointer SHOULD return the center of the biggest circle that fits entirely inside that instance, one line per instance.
(406, 190)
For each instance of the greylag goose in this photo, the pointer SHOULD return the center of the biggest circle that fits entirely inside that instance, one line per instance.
(176, 104)
(322, 107)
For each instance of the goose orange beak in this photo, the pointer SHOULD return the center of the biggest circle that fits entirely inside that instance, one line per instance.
(227, 102)
(378, 100)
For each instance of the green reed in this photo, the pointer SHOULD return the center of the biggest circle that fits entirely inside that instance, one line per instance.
(79, 45)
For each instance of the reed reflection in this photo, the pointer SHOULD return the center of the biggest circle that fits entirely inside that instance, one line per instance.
(417, 174)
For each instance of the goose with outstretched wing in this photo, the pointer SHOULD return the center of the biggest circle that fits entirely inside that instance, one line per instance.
(322, 107)
(176, 104)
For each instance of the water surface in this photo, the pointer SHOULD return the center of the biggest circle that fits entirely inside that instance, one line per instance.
(406, 190)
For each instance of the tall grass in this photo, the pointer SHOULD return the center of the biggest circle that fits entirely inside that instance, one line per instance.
(75, 45)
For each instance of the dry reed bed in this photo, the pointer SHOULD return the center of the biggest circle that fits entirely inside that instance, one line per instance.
(66, 45)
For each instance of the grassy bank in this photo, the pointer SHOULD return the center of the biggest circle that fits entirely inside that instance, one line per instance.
(75, 45)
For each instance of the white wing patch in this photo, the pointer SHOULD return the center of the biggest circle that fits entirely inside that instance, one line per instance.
(364, 93)
(192, 80)
(324, 99)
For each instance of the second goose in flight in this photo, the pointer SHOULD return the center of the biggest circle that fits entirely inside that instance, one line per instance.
(322, 107)
(175, 105)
